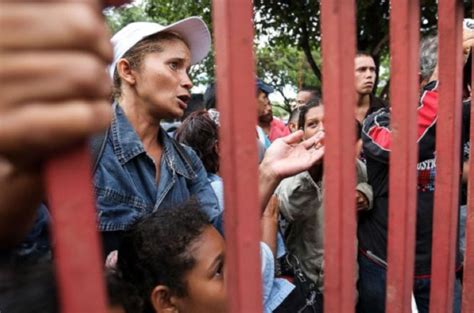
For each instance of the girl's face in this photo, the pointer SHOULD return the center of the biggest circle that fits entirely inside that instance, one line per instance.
(162, 82)
(205, 283)
(313, 121)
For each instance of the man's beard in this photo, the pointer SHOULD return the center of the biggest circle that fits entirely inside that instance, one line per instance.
(265, 119)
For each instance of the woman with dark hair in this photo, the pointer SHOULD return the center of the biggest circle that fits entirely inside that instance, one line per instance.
(200, 132)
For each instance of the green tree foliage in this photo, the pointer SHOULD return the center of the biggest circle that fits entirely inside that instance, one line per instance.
(282, 66)
(297, 24)
(118, 18)
(290, 23)
(288, 36)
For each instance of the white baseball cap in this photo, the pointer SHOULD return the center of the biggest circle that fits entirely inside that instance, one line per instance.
(193, 30)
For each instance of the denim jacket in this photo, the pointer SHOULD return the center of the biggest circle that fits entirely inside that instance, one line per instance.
(125, 182)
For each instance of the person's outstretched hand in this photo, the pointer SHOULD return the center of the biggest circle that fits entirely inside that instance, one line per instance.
(289, 155)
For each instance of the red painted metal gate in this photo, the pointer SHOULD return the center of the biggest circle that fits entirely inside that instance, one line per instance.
(78, 262)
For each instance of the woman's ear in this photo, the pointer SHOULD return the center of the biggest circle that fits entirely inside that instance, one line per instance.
(124, 70)
(162, 300)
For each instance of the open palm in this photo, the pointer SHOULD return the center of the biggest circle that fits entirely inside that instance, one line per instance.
(289, 155)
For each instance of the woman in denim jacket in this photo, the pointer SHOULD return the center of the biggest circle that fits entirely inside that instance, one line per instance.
(141, 168)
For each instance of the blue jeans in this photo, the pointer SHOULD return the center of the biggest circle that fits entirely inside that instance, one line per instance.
(372, 285)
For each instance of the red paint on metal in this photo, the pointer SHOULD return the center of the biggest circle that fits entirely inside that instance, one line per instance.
(338, 47)
(76, 240)
(236, 99)
(448, 140)
(404, 42)
(468, 279)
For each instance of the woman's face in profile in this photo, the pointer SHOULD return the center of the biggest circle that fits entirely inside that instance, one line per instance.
(162, 84)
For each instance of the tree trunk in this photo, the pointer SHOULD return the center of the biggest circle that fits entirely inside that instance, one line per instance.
(304, 43)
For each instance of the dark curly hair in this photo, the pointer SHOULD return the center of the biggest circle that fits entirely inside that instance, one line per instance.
(156, 250)
(121, 293)
(200, 132)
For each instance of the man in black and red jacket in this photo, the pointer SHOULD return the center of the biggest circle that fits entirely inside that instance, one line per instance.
(373, 225)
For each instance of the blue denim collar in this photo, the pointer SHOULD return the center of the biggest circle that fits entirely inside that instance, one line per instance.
(125, 141)
(127, 145)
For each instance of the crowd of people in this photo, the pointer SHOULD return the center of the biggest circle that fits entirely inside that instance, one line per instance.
(159, 196)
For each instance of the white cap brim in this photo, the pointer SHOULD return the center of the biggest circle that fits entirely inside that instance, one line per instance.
(193, 30)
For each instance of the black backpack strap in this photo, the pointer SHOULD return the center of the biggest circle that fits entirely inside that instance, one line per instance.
(97, 146)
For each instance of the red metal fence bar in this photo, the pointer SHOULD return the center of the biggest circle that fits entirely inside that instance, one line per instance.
(76, 243)
(233, 31)
(468, 279)
(448, 142)
(404, 43)
(338, 47)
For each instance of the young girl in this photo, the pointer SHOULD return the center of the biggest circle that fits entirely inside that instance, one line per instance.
(176, 260)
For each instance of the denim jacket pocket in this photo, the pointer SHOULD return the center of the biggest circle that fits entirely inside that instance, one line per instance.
(118, 211)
